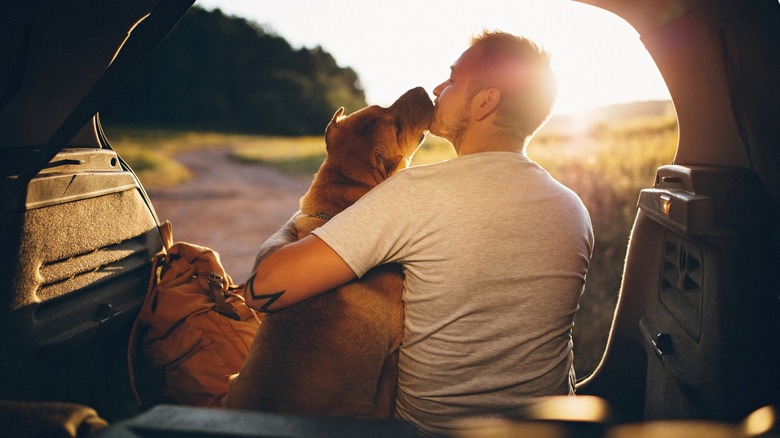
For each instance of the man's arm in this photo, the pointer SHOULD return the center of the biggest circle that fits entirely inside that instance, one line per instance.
(294, 273)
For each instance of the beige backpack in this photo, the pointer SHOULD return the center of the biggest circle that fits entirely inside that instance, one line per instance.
(193, 331)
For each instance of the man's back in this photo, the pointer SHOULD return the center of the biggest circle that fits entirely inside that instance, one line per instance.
(495, 253)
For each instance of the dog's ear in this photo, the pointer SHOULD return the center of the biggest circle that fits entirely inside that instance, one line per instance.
(335, 123)
(389, 164)
(337, 117)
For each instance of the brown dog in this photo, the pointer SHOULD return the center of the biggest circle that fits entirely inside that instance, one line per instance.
(336, 354)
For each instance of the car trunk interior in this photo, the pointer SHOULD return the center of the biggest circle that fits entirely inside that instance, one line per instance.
(696, 328)
(78, 231)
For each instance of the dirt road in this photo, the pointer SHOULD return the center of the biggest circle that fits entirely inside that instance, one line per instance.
(228, 206)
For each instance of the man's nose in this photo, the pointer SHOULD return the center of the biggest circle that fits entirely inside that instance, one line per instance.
(437, 90)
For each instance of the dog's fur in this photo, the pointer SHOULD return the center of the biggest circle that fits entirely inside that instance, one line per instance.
(336, 354)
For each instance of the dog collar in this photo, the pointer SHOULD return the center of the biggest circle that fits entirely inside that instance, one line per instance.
(320, 215)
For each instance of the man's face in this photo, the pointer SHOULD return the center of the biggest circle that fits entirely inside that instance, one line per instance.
(450, 116)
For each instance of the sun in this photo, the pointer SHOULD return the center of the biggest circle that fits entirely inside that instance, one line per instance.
(599, 60)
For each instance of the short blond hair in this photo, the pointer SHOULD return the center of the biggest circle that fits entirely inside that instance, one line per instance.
(520, 70)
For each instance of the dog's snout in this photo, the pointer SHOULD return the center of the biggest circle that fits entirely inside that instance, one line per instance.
(419, 90)
(416, 96)
(414, 109)
(422, 95)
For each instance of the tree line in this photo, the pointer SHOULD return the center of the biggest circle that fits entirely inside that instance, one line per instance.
(223, 73)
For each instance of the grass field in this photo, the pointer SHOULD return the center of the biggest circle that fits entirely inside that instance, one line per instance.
(606, 162)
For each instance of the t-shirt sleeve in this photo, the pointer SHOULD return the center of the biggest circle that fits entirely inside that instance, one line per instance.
(373, 231)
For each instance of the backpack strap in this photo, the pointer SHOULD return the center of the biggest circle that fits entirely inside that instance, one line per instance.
(217, 288)
(166, 234)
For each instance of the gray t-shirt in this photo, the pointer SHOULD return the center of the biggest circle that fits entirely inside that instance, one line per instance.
(495, 253)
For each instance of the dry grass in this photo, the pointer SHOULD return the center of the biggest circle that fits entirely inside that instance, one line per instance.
(606, 167)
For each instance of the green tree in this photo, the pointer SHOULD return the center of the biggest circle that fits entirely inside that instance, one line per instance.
(222, 73)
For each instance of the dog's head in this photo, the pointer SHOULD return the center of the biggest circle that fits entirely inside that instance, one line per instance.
(371, 144)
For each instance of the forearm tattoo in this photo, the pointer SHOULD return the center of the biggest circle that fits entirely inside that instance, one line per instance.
(270, 298)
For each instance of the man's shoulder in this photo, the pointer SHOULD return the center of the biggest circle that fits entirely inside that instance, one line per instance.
(418, 172)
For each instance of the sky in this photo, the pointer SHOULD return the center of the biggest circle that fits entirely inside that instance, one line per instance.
(397, 45)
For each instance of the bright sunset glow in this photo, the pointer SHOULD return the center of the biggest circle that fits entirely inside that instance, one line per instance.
(394, 46)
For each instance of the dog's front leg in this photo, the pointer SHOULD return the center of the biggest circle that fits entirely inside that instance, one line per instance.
(284, 236)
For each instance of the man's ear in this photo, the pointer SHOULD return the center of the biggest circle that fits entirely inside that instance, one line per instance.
(485, 102)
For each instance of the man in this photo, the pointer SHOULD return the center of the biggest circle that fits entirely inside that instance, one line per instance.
(494, 250)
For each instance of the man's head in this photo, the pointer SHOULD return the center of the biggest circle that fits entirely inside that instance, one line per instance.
(503, 76)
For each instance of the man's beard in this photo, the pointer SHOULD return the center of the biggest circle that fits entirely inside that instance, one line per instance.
(452, 131)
